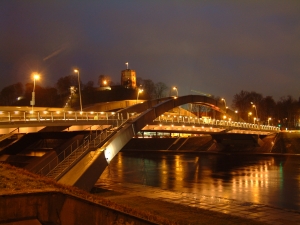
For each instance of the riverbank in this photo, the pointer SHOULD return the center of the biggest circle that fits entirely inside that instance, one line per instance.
(15, 181)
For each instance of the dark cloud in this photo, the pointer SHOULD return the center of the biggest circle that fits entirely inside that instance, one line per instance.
(217, 47)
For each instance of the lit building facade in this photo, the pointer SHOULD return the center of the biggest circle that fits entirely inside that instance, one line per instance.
(128, 78)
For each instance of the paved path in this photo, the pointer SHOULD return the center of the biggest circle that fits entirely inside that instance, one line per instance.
(257, 212)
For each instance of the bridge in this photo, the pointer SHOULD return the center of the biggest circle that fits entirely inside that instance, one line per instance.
(112, 125)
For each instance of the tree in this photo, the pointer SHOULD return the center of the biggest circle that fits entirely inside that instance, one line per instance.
(47, 97)
(64, 84)
(242, 102)
(149, 89)
(160, 89)
(9, 95)
(267, 109)
(88, 93)
(287, 111)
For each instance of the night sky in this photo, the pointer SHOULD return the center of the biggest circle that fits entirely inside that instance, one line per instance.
(216, 47)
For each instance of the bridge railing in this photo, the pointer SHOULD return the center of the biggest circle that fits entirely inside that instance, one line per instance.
(5, 136)
(91, 140)
(213, 122)
(27, 116)
(47, 116)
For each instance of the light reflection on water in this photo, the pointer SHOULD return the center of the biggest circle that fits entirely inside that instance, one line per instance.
(266, 180)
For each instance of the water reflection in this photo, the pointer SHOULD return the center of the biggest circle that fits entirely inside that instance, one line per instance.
(267, 180)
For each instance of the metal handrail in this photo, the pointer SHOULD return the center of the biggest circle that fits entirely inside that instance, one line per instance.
(86, 148)
(51, 116)
(5, 136)
(222, 123)
(62, 156)
(55, 161)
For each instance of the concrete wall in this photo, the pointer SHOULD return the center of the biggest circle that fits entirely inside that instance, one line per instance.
(57, 208)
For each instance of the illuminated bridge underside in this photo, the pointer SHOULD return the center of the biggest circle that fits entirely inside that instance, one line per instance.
(88, 170)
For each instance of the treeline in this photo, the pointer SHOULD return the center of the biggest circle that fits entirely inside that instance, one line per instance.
(284, 113)
(66, 94)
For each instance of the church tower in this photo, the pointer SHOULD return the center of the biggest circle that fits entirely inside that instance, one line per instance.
(128, 78)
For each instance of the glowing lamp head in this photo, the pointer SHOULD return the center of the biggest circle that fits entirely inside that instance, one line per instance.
(36, 76)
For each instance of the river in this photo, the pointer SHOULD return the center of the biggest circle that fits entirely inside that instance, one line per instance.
(269, 180)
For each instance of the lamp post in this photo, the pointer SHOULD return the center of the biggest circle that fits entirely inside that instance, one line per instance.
(77, 71)
(139, 91)
(269, 121)
(32, 102)
(237, 115)
(175, 88)
(223, 99)
(254, 106)
(249, 114)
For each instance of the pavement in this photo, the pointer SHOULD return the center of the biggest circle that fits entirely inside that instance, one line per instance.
(257, 212)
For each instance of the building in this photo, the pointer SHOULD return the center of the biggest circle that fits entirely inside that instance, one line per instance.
(128, 78)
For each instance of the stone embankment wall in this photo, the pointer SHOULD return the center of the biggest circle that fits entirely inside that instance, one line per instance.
(287, 142)
(55, 208)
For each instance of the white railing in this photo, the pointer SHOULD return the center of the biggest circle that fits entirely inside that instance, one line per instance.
(92, 140)
(214, 122)
(52, 116)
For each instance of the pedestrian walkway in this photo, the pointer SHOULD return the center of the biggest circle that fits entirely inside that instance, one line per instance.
(257, 212)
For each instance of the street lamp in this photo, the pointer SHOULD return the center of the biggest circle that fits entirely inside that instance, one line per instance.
(223, 99)
(269, 121)
(77, 71)
(254, 106)
(139, 91)
(249, 114)
(32, 102)
(175, 88)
